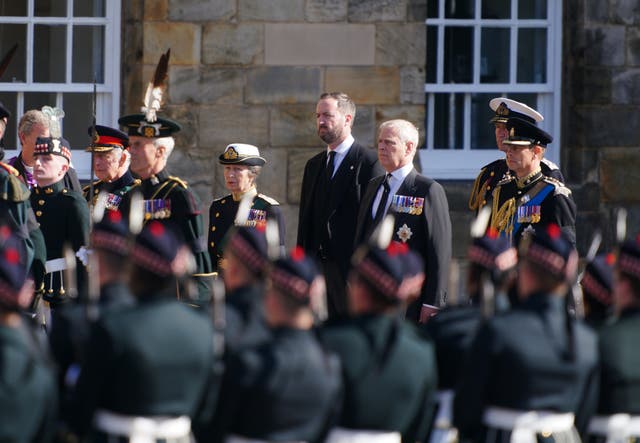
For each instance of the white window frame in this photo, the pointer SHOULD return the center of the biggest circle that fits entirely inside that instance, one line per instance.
(465, 162)
(107, 93)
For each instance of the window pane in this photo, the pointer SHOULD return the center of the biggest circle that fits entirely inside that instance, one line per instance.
(532, 9)
(432, 8)
(432, 54)
(78, 108)
(50, 8)
(9, 36)
(532, 55)
(459, 8)
(496, 9)
(448, 120)
(36, 100)
(482, 133)
(88, 8)
(458, 50)
(88, 54)
(494, 61)
(13, 8)
(8, 99)
(49, 53)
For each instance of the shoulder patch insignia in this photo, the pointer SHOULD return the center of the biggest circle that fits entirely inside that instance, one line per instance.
(271, 201)
(550, 164)
(562, 190)
(179, 181)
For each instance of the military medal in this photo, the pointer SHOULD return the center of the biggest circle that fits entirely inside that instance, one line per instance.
(257, 217)
(406, 204)
(157, 209)
(112, 201)
(404, 233)
(529, 214)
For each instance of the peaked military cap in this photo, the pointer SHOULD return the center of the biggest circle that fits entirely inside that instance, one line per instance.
(107, 139)
(241, 154)
(629, 258)
(13, 271)
(156, 247)
(297, 276)
(597, 279)
(249, 244)
(53, 145)
(506, 108)
(111, 234)
(523, 133)
(548, 247)
(137, 124)
(395, 272)
(4, 112)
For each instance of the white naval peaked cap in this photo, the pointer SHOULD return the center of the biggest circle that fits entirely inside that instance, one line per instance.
(506, 108)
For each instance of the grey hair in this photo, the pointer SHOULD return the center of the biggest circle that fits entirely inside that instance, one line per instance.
(255, 171)
(30, 119)
(167, 142)
(406, 131)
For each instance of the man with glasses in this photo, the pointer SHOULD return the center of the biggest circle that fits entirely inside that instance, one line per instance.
(527, 198)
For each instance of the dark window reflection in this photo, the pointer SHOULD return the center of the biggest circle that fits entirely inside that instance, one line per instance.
(458, 54)
(494, 59)
(88, 54)
(482, 131)
(532, 9)
(532, 55)
(13, 8)
(459, 9)
(50, 8)
(77, 122)
(448, 121)
(89, 8)
(432, 8)
(8, 100)
(496, 9)
(10, 35)
(432, 54)
(36, 100)
(49, 53)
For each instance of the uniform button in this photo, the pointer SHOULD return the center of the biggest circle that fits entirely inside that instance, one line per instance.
(217, 214)
(484, 202)
(64, 191)
(41, 202)
(488, 188)
(213, 229)
(96, 191)
(38, 213)
(492, 174)
(223, 201)
(212, 244)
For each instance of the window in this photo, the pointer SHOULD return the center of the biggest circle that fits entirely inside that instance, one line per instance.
(477, 50)
(63, 45)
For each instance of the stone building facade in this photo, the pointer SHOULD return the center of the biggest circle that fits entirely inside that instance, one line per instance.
(251, 71)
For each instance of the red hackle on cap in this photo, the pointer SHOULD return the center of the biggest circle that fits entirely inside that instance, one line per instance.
(156, 229)
(397, 248)
(114, 216)
(610, 258)
(5, 232)
(492, 233)
(297, 254)
(553, 230)
(12, 256)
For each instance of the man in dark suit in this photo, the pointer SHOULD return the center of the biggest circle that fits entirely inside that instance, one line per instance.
(420, 206)
(332, 188)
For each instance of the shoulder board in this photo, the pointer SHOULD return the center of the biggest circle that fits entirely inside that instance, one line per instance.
(505, 180)
(271, 201)
(85, 188)
(551, 165)
(219, 199)
(10, 169)
(179, 181)
(560, 188)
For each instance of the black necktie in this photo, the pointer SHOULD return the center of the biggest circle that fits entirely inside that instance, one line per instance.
(330, 164)
(383, 200)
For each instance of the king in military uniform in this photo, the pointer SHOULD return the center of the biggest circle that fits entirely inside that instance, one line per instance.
(242, 164)
(111, 165)
(62, 213)
(528, 198)
(490, 175)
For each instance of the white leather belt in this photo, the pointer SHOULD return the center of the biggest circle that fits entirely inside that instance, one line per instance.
(443, 430)
(57, 264)
(343, 435)
(524, 425)
(142, 429)
(616, 427)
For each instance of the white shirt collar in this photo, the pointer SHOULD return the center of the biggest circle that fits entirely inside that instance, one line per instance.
(343, 147)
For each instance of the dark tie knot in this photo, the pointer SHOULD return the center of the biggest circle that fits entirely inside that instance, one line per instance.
(330, 164)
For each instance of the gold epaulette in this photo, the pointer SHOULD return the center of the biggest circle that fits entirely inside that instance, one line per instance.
(560, 188)
(271, 201)
(179, 181)
(477, 193)
(86, 188)
(10, 169)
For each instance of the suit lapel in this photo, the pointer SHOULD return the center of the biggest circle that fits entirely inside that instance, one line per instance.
(367, 204)
(344, 174)
(408, 186)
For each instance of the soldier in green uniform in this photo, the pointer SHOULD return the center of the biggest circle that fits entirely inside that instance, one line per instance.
(166, 197)
(490, 175)
(246, 262)
(153, 362)
(528, 198)
(242, 164)
(62, 213)
(28, 397)
(619, 406)
(286, 389)
(388, 368)
(111, 165)
(532, 371)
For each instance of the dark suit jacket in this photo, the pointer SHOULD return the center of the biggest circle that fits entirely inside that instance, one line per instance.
(430, 231)
(349, 183)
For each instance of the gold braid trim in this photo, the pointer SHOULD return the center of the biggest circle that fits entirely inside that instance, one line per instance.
(502, 218)
(477, 193)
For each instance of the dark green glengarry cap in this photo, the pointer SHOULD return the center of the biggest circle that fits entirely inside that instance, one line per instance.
(137, 124)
